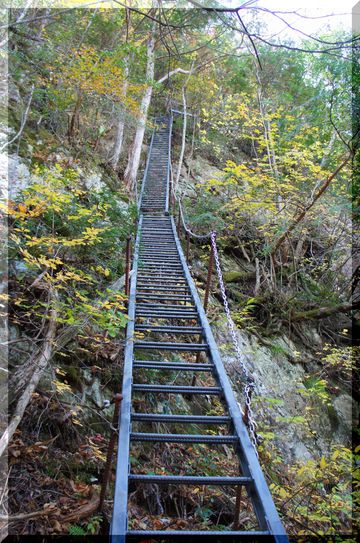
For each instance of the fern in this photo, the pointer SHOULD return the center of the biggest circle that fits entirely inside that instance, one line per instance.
(75, 529)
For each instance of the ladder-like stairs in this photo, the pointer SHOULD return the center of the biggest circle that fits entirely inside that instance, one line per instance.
(163, 301)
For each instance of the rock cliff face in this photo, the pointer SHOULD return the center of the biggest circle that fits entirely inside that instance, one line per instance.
(304, 428)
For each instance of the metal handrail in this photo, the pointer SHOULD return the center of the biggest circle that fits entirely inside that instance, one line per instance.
(119, 521)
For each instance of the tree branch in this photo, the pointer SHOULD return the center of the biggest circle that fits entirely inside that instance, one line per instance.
(301, 215)
(40, 362)
(324, 312)
(23, 121)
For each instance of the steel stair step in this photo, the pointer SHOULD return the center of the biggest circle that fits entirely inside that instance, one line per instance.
(149, 315)
(148, 296)
(167, 346)
(166, 287)
(184, 438)
(170, 535)
(162, 267)
(169, 277)
(170, 329)
(166, 310)
(177, 389)
(189, 480)
(186, 419)
(158, 280)
(163, 308)
(176, 366)
(152, 305)
(169, 254)
(150, 289)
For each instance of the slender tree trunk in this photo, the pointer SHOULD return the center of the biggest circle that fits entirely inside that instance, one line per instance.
(121, 121)
(267, 135)
(43, 22)
(181, 158)
(324, 312)
(269, 145)
(40, 363)
(258, 278)
(315, 198)
(183, 143)
(135, 152)
(75, 118)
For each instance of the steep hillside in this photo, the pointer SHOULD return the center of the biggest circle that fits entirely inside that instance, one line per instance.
(262, 154)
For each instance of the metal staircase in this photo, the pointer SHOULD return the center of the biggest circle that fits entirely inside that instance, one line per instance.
(163, 302)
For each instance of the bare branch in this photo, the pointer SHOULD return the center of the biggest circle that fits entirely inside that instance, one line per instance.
(301, 215)
(170, 74)
(23, 121)
(147, 15)
(40, 362)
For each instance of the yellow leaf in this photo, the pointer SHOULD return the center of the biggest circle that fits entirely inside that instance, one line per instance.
(283, 493)
(323, 463)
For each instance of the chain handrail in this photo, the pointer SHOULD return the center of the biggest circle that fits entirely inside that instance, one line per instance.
(187, 229)
(250, 384)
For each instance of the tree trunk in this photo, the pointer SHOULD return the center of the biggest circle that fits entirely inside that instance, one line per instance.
(75, 121)
(301, 215)
(268, 138)
(135, 152)
(40, 362)
(121, 121)
(178, 172)
(323, 312)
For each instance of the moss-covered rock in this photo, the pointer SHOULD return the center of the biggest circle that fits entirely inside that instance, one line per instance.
(238, 276)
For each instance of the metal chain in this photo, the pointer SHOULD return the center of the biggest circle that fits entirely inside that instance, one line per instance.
(187, 229)
(250, 385)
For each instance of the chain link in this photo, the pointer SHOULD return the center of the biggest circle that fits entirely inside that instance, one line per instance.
(249, 387)
(187, 229)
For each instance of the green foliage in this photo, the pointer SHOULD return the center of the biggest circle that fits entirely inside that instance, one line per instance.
(315, 390)
(278, 349)
(243, 318)
(75, 529)
(326, 506)
(74, 240)
(89, 528)
(313, 495)
(93, 524)
(340, 361)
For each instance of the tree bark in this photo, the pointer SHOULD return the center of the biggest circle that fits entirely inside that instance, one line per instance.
(323, 312)
(74, 121)
(135, 152)
(77, 514)
(23, 121)
(121, 121)
(173, 72)
(257, 275)
(267, 135)
(178, 172)
(40, 362)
